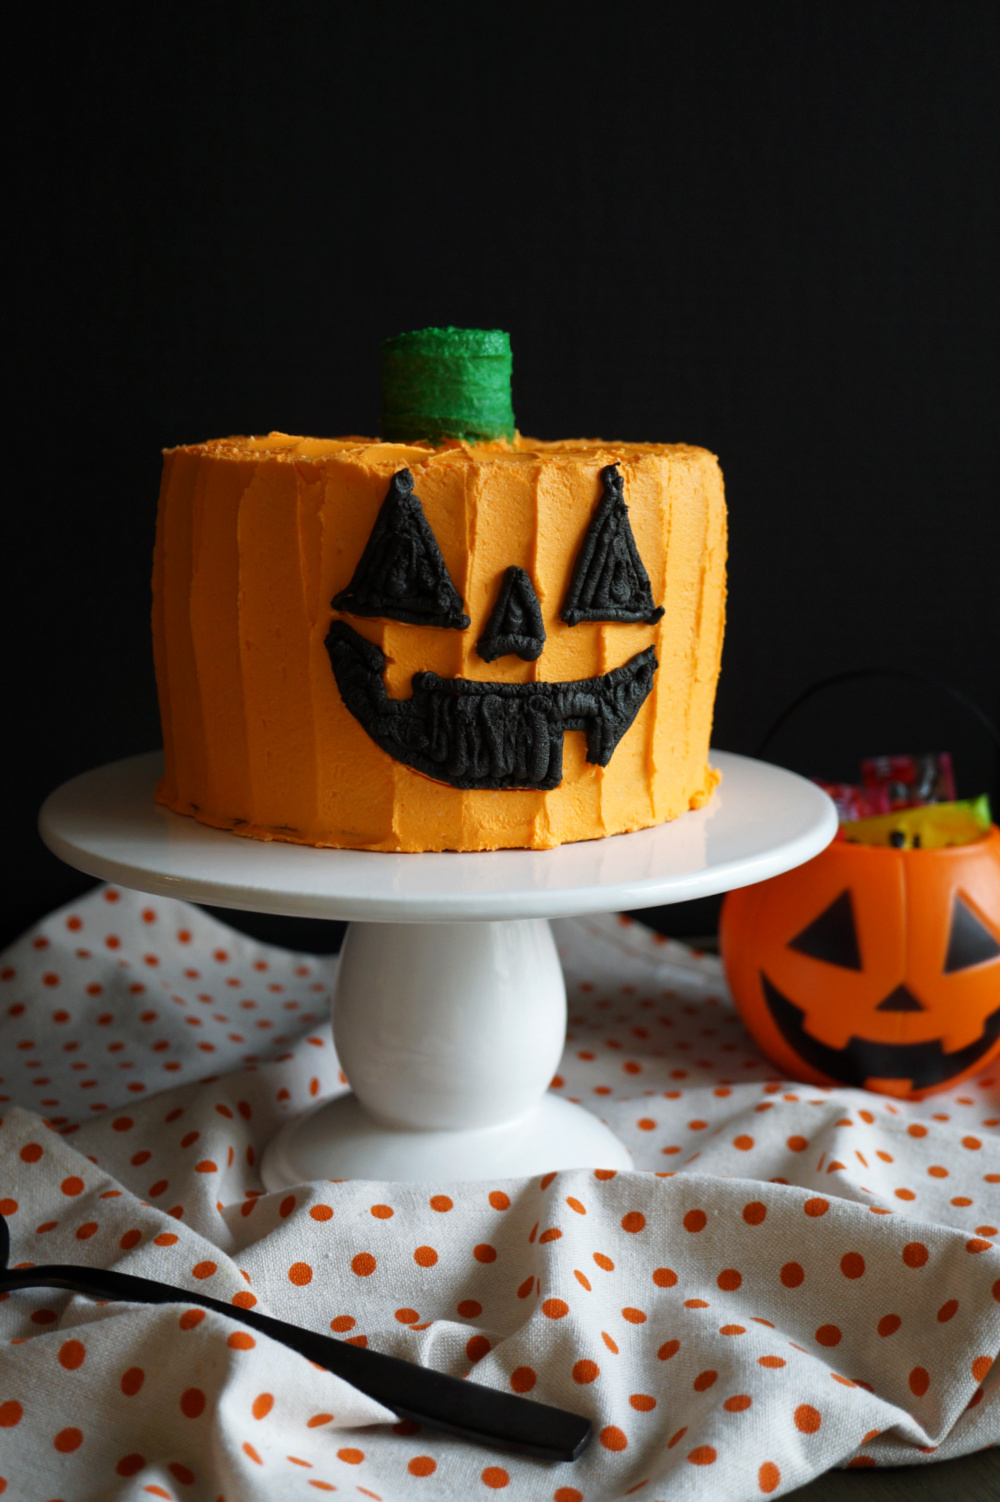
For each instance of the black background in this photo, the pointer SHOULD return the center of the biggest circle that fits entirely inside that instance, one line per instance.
(770, 229)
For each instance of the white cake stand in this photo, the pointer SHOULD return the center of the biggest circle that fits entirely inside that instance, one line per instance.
(449, 1010)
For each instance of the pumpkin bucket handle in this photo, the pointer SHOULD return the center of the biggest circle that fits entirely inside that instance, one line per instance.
(852, 675)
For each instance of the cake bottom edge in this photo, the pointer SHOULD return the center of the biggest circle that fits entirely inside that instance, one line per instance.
(470, 843)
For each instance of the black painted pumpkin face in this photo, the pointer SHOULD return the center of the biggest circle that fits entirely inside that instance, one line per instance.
(475, 733)
(873, 967)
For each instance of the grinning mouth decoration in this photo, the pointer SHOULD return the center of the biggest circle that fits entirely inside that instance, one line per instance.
(474, 734)
(861, 1059)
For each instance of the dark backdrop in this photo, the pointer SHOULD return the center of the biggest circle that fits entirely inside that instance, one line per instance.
(770, 229)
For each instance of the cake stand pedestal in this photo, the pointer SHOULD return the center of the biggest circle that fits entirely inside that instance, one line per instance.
(449, 1009)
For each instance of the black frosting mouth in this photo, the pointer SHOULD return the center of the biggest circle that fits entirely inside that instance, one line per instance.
(473, 734)
(922, 1064)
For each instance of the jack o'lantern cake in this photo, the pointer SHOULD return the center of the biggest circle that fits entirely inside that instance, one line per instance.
(453, 638)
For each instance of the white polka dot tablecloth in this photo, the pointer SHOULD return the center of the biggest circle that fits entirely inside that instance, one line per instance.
(792, 1278)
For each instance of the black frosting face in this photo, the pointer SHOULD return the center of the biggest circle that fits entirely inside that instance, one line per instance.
(495, 735)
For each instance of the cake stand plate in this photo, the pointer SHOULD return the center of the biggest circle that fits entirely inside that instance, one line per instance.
(449, 1009)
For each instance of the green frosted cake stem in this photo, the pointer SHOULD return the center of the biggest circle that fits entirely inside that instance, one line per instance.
(447, 383)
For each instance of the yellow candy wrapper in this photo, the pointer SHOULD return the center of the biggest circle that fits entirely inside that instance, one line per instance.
(929, 828)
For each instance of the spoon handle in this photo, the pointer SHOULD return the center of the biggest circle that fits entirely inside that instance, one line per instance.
(413, 1392)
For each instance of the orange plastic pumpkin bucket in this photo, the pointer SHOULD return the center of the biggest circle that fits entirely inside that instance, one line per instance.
(872, 967)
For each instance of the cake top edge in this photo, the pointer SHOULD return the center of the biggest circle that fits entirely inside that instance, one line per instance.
(291, 448)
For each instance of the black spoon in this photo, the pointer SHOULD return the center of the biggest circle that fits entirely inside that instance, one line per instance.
(413, 1392)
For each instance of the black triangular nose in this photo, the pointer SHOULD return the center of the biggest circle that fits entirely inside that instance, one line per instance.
(515, 623)
(901, 1000)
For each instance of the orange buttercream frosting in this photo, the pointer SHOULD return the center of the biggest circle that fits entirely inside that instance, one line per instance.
(255, 538)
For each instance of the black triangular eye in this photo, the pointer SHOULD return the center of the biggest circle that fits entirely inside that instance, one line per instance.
(515, 623)
(833, 936)
(401, 573)
(970, 942)
(609, 580)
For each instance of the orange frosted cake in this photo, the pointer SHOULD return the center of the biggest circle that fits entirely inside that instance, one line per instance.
(463, 641)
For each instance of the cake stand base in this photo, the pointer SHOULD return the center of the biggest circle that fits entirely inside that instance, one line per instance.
(449, 1034)
(337, 1139)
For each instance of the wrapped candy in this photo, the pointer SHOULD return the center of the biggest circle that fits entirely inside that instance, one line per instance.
(854, 802)
(908, 781)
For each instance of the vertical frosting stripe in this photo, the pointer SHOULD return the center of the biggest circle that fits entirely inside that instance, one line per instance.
(215, 635)
(421, 815)
(501, 507)
(355, 781)
(711, 618)
(626, 786)
(501, 521)
(274, 632)
(167, 791)
(679, 739)
(187, 739)
(569, 489)
(658, 582)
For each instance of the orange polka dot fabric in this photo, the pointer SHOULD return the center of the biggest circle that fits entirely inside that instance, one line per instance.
(791, 1279)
